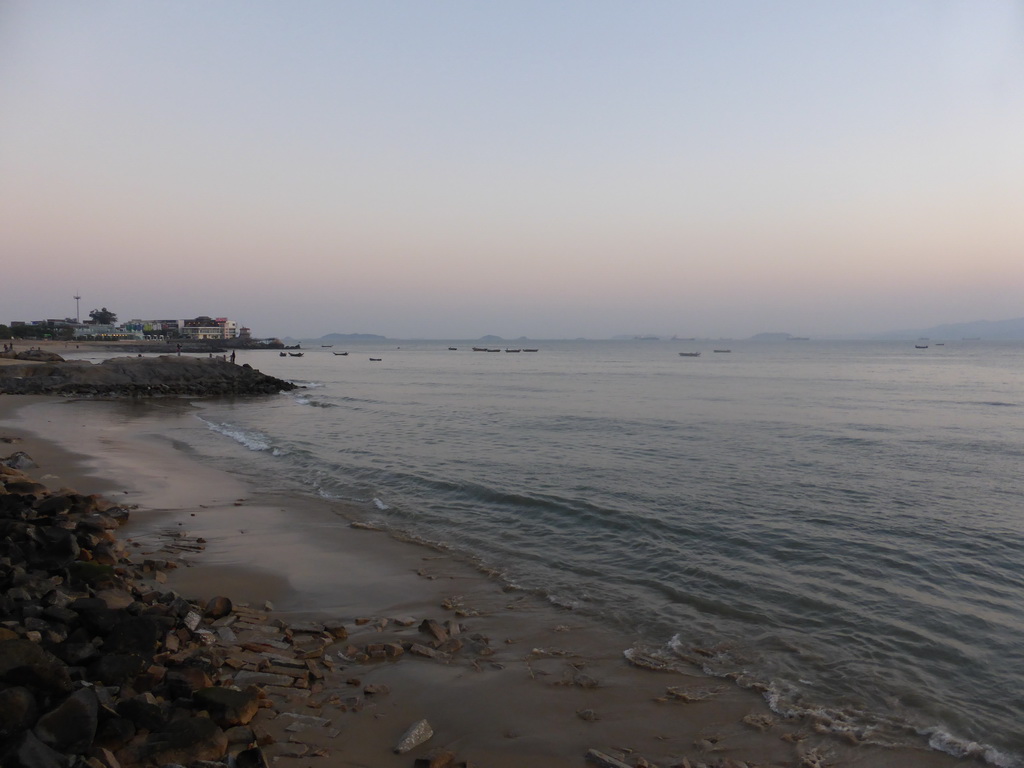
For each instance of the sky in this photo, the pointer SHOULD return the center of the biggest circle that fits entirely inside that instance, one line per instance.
(549, 169)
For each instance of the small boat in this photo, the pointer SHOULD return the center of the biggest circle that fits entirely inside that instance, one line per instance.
(513, 350)
(284, 354)
(295, 354)
(326, 346)
(494, 350)
(689, 354)
(376, 359)
(452, 349)
(479, 349)
(920, 346)
(722, 350)
(530, 350)
(340, 353)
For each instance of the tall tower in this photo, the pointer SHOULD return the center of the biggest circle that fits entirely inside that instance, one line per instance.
(78, 308)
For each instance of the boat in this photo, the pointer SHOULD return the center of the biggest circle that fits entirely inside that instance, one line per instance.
(284, 354)
(376, 359)
(689, 354)
(479, 349)
(920, 346)
(340, 353)
(530, 350)
(513, 350)
(295, 354)
(452, 349)
(326, 346)
(494, 350)
(722, 350)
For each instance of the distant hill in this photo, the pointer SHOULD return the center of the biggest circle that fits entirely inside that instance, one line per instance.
(994, 330)
(351, 337)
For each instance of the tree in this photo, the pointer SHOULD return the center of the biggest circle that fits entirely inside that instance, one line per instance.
(103, 316)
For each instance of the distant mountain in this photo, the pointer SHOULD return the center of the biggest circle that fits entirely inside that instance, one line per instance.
(994, 330)
(351, 337)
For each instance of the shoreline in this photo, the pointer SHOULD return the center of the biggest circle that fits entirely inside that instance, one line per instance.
(546, 687)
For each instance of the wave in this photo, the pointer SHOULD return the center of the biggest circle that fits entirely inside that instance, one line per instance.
(253, 440)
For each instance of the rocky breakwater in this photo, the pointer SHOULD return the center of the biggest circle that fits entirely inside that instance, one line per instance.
(138, 377)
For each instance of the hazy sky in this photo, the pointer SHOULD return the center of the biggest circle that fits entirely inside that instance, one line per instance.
(549, 169)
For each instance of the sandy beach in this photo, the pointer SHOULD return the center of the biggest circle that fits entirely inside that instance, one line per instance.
(538, 686)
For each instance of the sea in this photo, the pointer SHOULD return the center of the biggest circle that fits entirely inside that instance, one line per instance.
(840, 523)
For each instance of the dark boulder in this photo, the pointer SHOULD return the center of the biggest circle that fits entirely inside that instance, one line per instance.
(22, 662)
(18, 711)
(71, 726)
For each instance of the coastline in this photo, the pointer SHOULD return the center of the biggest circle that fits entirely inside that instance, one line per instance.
(525, 697)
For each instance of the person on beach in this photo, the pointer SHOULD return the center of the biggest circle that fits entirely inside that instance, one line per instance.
(232, 357)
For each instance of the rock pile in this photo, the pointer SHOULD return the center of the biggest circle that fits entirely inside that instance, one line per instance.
(139, 377)
(96, 668)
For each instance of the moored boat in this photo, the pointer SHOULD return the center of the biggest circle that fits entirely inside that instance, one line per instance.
(689, 354)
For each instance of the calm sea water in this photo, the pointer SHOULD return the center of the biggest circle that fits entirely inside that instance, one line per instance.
(841, 521)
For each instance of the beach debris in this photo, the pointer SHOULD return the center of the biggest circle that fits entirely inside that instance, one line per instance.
(438, 758)
(605, 761)
(645, 660)
(759, 721)
(690, 695)
(416, 734)
(19, 460)
(587, 715)
(813, 758)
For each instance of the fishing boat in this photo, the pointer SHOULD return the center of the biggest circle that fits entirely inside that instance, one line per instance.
(326, 346)
(513, 350)
(376, 359)
(452, 349)
(284, 354)
(689, 354)
(295, 354)
(479, 349)
(529, 350)
(342, 354)
(920, 346)
(722, 350)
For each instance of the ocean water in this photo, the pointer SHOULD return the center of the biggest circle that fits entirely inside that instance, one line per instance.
(842, 522)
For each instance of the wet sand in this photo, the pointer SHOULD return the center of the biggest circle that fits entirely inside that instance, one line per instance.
(556, 685)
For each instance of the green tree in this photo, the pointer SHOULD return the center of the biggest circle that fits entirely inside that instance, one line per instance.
(103, 316)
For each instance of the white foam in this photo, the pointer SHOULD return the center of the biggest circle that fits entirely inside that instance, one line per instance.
(943, 741)
(380, 504)
(251, 440)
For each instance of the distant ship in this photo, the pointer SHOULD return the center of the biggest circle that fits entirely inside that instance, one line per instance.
(647, 338)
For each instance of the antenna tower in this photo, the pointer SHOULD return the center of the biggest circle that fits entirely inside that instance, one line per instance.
(78, 308)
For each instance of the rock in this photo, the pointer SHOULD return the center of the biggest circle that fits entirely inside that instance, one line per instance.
(605, 761)
(29, 752)
(417, 734)
(19, 460)
(227, 706)
(217, 607)
(116, 669)
(182, 682)
(71, 726)
(136, 634)
(143, 711)
(434, 627)
(183, 741)
(24, 663)
(441, 758)
(18, 711)
(251, 758)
